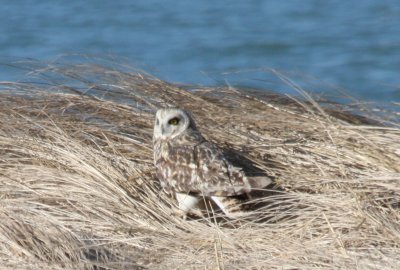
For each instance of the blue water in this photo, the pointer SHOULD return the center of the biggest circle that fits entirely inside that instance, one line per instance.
(321, 45)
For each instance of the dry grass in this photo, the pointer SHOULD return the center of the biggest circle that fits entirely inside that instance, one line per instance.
(78, 189)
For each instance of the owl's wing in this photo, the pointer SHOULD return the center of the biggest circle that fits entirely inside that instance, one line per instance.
(199, 166)
(201, 169)
(218, 177)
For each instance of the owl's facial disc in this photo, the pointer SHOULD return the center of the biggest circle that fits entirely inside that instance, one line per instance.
(170, 123)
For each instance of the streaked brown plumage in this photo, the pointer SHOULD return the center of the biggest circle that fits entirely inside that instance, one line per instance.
(189, 165)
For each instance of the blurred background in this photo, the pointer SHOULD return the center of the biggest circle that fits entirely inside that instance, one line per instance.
(329, 47)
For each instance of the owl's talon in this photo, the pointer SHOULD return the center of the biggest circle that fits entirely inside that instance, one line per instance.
(180, 214)
(185, 215)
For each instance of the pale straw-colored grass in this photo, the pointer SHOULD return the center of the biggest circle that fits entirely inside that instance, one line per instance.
(78, 188)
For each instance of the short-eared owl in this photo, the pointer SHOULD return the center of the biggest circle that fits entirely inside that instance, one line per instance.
(191, 167)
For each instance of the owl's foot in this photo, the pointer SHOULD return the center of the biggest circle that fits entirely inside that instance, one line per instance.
(232, 207)
(185, 215)
(179, 213)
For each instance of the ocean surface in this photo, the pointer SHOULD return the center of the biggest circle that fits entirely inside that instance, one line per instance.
(330, 47)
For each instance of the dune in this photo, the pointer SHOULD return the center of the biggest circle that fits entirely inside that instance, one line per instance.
(78, 187)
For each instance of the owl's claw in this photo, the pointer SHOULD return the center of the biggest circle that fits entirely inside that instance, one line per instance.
(179, 213)
(185, 215)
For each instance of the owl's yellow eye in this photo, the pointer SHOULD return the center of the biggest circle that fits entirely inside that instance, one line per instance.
(174, 121)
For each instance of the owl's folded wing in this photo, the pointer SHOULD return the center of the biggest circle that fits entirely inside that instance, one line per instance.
(204, 170)
(216, 175)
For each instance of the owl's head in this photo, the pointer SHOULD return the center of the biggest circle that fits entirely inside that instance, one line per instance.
(171, 122)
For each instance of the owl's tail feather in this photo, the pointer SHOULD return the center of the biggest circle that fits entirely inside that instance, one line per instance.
(259, 182)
